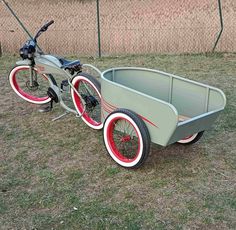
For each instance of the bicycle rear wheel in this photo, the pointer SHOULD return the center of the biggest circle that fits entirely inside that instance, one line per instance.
(36, 93)
(90, 90)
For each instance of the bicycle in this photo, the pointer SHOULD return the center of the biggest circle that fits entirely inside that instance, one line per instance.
(33, 80)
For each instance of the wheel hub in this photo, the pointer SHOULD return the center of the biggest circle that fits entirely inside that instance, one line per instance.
(90, 101)
(34, 87)
(126, 139)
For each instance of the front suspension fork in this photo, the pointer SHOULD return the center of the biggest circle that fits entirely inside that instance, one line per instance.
(33, 77)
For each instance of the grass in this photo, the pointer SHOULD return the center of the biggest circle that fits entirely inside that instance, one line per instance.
(57, 175)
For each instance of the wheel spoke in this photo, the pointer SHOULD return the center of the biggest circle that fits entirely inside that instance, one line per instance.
(126, 138)
(123, 139)
(89, 92)
(21, 84)
(89, 89)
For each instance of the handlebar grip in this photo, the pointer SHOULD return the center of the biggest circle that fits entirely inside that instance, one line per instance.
(43, 29)
(49, 23)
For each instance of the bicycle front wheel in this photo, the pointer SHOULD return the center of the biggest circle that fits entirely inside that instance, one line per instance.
(34, 91)
(90, 107)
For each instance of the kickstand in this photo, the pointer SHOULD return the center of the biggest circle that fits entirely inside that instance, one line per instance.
(61, 116)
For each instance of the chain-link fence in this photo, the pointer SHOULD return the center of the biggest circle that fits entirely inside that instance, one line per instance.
(126, 26)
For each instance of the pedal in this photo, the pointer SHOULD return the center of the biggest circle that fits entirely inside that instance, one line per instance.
(64, 83)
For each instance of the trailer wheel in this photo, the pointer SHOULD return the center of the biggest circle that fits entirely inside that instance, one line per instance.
(126, 138)
(191, 139)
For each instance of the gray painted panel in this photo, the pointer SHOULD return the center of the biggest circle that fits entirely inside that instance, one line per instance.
(147, 92)
(189, 99)
(153, 84)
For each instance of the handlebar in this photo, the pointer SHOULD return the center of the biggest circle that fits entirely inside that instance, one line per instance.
(29, 48)
(43, 29)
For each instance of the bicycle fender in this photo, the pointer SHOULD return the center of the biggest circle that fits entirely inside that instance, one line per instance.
(23, 62)
(28, 62)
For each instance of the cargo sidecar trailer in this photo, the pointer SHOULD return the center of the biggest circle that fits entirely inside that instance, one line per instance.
(140, 106)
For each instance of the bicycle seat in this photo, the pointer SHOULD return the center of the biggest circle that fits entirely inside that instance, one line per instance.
(67, 63)
(72, 66)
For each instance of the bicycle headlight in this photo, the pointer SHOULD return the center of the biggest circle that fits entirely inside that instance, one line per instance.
(28, 50)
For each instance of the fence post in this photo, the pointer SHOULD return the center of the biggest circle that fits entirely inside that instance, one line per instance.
(98, 28)
(221, 24)
(0, 49)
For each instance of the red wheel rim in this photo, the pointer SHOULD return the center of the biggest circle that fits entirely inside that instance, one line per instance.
(124, 146)
(186, 138)
(80, 105)
(22, 92)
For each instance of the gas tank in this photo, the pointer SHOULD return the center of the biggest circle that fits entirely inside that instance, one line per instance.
(48, 64)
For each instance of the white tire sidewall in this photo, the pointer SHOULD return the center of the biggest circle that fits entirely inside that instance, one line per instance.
(106, 141)
(77, 78)
(11, 75)
(188, 140)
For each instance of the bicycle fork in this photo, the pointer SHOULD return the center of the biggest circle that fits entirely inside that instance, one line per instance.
(31, 80)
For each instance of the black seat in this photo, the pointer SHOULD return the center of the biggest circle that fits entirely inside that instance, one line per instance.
(67, 63)
(63, 61)
(72, 66)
